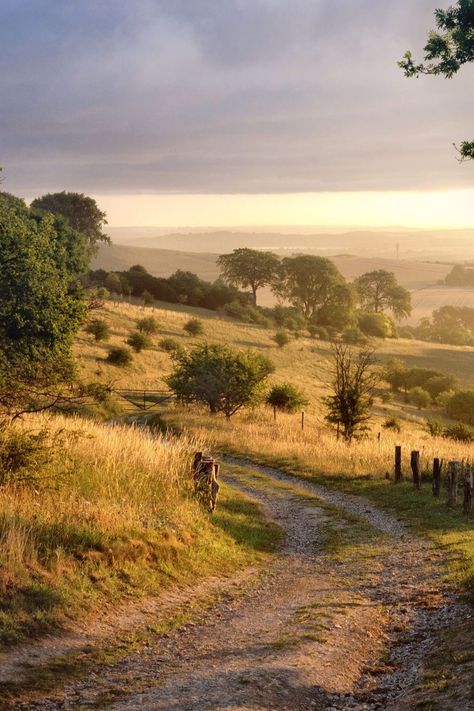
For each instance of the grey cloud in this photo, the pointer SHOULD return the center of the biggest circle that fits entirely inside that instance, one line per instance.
(228, 96)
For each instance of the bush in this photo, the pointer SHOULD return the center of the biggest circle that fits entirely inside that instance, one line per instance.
(386, 396)
(170, 345)
(419, 397)
(459, 432)
(434, 428)
(391, 423)
(460, 406)
(320, 332)
(281, 339)
(354, 336)
(99, 329)
(148, 299)
(139, 341)
(194, 327)
(245, 313)
(222, 378)
(374, 324)
(120, 357)
(23, 455)
(439, 384)
(286, 397)
(148, 325)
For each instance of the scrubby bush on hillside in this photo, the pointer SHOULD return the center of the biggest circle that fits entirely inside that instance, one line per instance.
(286, 397)
(139, 341)
(354, 336)
(459, 432)
(99, 329)
(434, 428)
(281, 338)
(119, 356)
(246, 313)
(460, 406)
(170, 345)
(148, 325)
(194, 327)
(419, 397)
(392, 423)
(376, 324)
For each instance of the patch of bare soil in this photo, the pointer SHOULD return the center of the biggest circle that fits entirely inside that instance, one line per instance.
(317, 630)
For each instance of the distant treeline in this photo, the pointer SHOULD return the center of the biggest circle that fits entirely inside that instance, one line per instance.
(449, 324)
(182, 287)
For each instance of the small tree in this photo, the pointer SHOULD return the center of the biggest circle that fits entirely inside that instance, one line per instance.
(223, 379)
(148, 325)
(281, 338)
(286, 397)
(353, 383)
(99, 329)
(419, 397)
(120, 357)
(139, 341)
(170, 345)
(194, 327)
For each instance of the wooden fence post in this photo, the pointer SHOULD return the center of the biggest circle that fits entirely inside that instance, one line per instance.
(453, 468)
(274, 413)
(398, 465)
(436, 477)
(468, 485)
(415, 467)
(302, 420)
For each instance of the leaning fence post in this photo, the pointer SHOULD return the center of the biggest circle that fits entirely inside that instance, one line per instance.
(415, 467)
(398, 465)
(436, 476)
(302, 420)
(453, 468)
(468, 485)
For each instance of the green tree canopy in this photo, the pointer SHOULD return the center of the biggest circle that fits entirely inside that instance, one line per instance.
(447, 50)
(379, 291)
(315, 287)
(224, 379)
(249, 269)
(81, 212)
(41, 304)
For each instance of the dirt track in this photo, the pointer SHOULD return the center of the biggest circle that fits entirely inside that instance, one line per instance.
(308, 633)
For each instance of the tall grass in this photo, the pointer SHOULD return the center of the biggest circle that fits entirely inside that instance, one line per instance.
(108, 514)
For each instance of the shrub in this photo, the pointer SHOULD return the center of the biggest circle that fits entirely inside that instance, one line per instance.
(120, 357)
(281, 339)
(354, 336)
(461, 406)
(148, 325)
(139, 341)
(148, 299)
(459, 432)
(439, 384)
(223, 379)
(445, 398)
(434, 428)
(194, 327)
(246, 313)
(391, 423)
(386, 396)
(170, 345)
(286, 397)
(320, 332)
(23, 455)
(99, 329)
(419, 397)
(376, 324)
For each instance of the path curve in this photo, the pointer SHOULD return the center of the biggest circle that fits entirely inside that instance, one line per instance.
(309, 635)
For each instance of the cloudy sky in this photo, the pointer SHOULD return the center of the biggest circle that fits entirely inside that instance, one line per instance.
(171, 100)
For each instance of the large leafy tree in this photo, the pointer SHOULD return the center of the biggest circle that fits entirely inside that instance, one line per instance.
(379, 291)
(224, 379)
(81, 212)
(447, 50)
(249, 269)
(41, 307)
(315, 287)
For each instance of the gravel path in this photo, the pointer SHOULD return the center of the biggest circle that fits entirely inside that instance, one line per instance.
(308, 634)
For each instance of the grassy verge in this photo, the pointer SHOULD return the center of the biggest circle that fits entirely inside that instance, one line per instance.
(96, 514)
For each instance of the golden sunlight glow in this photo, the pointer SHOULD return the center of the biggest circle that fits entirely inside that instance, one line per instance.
(441, 209)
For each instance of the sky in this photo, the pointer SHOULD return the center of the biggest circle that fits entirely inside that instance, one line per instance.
(233, 111)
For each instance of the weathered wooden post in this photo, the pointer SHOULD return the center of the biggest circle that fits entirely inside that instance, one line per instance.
(302, 421)
(274, 413)
(453, 468)
(436, 476)
(415, 467)
(468, 485)
(398, 465)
